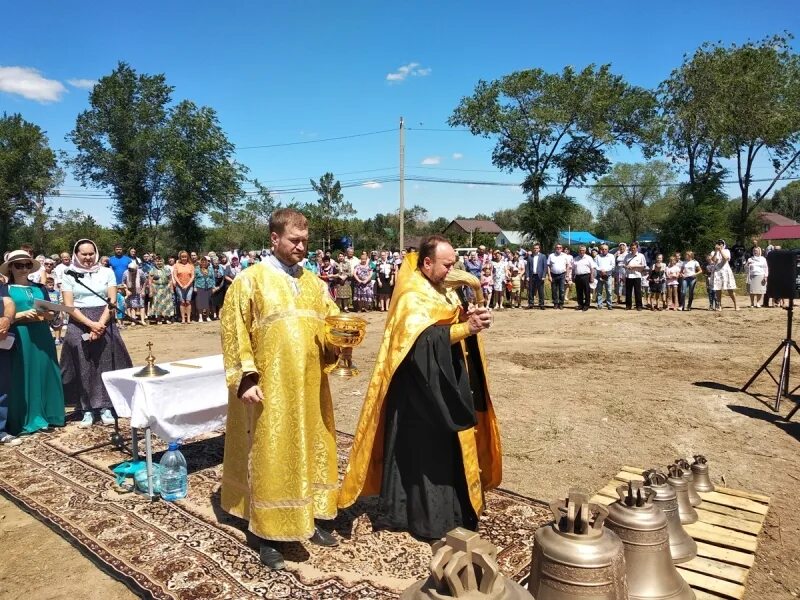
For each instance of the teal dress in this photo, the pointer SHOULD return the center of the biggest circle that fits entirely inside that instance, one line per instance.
(36, 398)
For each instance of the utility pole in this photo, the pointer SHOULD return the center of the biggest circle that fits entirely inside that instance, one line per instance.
(402, 184)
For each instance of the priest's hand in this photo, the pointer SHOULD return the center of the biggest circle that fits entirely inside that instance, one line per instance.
(479, 319)
(249, 391)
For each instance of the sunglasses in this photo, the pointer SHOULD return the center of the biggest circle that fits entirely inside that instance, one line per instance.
(21, 266)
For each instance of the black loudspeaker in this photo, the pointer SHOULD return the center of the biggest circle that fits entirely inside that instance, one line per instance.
(784, 274)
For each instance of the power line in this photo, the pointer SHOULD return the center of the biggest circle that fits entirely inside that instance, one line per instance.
(331, 139)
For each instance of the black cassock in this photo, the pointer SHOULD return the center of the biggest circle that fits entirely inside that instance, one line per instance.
(430, 399)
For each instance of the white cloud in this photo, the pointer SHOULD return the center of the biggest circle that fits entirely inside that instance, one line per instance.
(82, 84)
(373, 185)
(29, 83)
(431, 160)
(457, 156)
(411, 69)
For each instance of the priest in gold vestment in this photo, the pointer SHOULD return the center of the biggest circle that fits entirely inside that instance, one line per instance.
(427, 439)
(279, 469)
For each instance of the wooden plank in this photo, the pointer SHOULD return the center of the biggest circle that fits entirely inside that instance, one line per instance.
(731, 512)
(724, 490)
(728, 522)
(743, 559)
(742, 494)
(721, 536)
(703, 595)
(604, 500)
(610, 491)
(717, 569)
(735, 502)
(719, 586)
(625, 477)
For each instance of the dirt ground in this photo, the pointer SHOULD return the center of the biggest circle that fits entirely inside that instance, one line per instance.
(578, 395)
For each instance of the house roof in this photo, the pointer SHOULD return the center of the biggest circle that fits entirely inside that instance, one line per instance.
(771, 218)
(476, 225)
(782, 232)
(516, 237)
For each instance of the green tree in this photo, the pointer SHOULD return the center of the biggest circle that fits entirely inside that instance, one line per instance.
(581, 219)
(200, 172)
(786, 201)
(330, 209)
(507, 219)
(557, 126)
(543, 220)
(628, 192)
(738, 102)
(28, 173)
(699, 219)
(120, 145)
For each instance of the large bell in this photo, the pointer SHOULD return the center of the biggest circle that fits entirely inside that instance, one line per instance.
(682, 547)
(575, 556)
(642, 527)
(686, 511)
(465, 566)
(702, 482)
(694, 497)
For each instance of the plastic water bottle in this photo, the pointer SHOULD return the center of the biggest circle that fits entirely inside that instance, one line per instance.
(174, 481)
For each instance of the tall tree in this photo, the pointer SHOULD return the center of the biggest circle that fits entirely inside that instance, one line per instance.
(739, 102)
(120, 145)
(629, 191)
(200, 172)
(28, 172)
(543, 221)
(557, 127)
(330, 208)
(786, 201)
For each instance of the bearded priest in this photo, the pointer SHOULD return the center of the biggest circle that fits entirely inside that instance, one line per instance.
(427, 440)
(279, 469)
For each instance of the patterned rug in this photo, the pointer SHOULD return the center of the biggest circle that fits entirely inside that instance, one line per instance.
(193, 550)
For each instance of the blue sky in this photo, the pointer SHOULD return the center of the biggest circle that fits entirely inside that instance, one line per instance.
(279, 72)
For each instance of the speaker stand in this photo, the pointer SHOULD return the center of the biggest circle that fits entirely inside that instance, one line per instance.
(786, 347)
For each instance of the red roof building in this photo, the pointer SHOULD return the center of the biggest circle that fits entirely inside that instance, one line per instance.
(782, 232)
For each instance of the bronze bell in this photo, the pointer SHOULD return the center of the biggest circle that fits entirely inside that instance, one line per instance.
(575, 556)
(686, 511)
(681, 546)
(694, 497)
(702, 482)
(642, 527)
(465, 566)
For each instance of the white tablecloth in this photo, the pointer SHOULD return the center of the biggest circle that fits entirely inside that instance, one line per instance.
(184, 403)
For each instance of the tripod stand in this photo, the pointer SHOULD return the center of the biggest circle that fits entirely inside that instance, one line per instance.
(786, 347)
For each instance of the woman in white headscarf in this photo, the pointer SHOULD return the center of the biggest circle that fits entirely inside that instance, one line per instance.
(723, 274)
(92, 344)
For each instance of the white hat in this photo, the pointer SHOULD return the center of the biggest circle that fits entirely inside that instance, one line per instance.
(18, 256)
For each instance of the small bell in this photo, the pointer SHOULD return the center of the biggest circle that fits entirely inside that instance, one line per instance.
(686, 511)
(642, 527)
(702, 482)
(465, 566)
(575, 556)
(694, 497)
(682, 547)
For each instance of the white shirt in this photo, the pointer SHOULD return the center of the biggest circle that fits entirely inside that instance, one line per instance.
(558, 263)
(583, 265)
(98, 281)
(634, 260)
(58, 272)
(757, 267)
(605, 263)
(690, 268)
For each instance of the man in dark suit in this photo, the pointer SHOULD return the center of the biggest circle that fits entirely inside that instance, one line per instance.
(535, 270)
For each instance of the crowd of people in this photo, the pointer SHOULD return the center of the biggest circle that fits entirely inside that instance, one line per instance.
(192, 287)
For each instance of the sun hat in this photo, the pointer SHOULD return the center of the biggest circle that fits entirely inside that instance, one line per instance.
(18, 256)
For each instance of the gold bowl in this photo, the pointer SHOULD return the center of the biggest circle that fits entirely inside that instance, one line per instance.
(344, 331)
